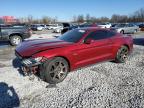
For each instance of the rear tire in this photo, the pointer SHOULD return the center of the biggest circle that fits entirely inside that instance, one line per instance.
(15, 40)
(122, 54)
(54, 71)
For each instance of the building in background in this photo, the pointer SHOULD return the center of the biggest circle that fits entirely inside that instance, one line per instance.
(8, 20)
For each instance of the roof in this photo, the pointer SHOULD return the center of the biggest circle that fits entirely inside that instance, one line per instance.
(92, 28)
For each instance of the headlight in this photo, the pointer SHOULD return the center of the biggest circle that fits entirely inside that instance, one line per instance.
(38, 59)
(32, 61)
(27, 61)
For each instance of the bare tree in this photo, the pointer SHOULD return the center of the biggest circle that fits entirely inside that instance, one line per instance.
(87, 18)
(30, 19)
(74, 19)
(80, 19)
(45, 19)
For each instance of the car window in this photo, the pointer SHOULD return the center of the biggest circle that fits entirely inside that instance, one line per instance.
(73, 35)
(131, 25)
(100, 34)
(111, 33)
(121, 25)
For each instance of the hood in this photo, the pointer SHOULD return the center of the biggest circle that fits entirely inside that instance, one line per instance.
(30, 47)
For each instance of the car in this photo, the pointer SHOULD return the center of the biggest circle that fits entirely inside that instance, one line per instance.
(54, 59)
(49, 26)
(105, 25)
(60, 27)
(55, 26)
(37, 27)
(44, 26)
(141, 26)
(126, 28)
(71, 27)
(66, 29)
(14, 34)
(113, 25)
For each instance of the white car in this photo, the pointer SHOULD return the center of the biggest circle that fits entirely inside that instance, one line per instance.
(126, 28)
(58, 29)
(40, 28)
(37, 27)
(105, 25)
(51, 26)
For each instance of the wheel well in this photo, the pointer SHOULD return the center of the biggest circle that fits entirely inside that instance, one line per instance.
(17, 34)
(66, 60)
(126, 46)
(122, 30)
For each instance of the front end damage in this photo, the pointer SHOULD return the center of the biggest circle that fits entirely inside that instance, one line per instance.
(31, 65)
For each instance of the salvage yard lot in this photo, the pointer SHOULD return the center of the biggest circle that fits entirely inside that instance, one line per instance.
(104, 85)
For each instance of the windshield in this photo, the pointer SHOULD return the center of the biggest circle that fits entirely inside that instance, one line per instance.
(73, 35)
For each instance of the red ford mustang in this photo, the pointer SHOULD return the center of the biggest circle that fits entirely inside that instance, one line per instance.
(53, 59)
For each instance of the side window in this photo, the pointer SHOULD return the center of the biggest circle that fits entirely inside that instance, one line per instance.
(111, 33)
(130, 25)
(97, 35)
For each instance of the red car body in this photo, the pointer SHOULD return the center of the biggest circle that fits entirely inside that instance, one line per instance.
(77, 54)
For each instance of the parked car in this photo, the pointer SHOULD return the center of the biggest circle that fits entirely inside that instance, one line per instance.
(66, 29)
(113, 25)
(77, 26)
(14, 34)
(44, 26)
(61, 27)
(126, 28)
(54, 26)
(54, 58)
(37, 27)
(58, 28)
(105, 25)
(49, 26)
(141, 26)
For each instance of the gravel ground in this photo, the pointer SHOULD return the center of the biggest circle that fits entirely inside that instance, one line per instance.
(104, 85)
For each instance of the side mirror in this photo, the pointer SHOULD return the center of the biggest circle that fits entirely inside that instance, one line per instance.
(89, 41)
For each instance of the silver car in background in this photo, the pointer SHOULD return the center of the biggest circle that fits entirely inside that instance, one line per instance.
(126, 28)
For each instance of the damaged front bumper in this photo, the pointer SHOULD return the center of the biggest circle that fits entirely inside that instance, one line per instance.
(30, 65)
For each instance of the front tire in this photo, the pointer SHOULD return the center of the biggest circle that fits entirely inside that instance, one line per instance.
(122, 54)
(15, 40)
(55, 70)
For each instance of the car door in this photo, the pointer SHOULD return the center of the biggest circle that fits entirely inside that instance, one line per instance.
(98, 50)
(127, 28)
(131, 28)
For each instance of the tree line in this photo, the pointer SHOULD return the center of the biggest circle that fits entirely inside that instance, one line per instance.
(44, 20)
(137, 16)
